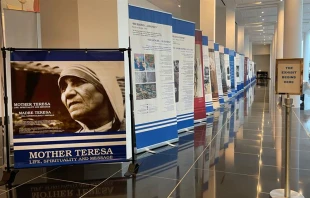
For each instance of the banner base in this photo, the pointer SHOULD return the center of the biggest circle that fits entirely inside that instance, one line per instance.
(132, 170)
(279, 193)
(8, 177)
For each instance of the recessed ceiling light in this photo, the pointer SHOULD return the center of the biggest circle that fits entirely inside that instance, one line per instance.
(179, 6)
(262, 12)
(260, 16)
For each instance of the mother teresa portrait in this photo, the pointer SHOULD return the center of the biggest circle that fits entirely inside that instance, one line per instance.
(92, 98)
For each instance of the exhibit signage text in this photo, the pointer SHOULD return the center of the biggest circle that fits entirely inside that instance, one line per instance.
(289, 76)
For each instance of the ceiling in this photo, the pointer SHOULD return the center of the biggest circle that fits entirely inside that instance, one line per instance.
(258, 16)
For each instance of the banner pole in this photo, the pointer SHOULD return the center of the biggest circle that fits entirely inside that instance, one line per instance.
(288, 109)
(8, 176)
(134, 166)
(286, 192)
(6, 113)
(133, 134)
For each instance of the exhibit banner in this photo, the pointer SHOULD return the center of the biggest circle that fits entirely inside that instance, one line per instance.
(227, 70)
(199, 95)
(249, 71)
(253, 71)
(237, 73)
(223, 73)
(68, 107)
(207, 76)
(213, 75)
(218, 73)
(232, 71)
(241, 72)
(183, 61)
(153, 77)
(245, 77)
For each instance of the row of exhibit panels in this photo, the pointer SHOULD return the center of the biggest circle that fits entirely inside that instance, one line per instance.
(167, 163)
(179, 76)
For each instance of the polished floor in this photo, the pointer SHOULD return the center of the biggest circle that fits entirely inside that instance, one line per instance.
(237, 153)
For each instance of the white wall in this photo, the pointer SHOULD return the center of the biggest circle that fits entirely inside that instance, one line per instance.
(262, 62)
(260, 49)
(143, 3)
(220, 27)
(61, 29)
(94, 33)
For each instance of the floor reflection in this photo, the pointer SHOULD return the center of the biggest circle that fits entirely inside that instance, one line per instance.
(236, 153)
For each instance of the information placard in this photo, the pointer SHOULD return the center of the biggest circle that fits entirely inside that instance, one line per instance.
(289, 76)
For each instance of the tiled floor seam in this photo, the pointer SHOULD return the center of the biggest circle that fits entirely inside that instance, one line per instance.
(29, 181)
(107, 179)
(51, 178)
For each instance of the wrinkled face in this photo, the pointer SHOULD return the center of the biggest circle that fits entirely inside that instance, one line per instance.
(80, 97)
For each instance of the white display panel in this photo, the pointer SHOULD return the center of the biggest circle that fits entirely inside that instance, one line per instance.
(153, 77)
(218, 73)
(183, 60)
(207, 76)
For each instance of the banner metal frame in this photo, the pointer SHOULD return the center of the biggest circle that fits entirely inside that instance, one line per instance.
(9, 173)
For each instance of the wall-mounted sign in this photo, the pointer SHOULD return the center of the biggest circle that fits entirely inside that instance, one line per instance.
(289, 74)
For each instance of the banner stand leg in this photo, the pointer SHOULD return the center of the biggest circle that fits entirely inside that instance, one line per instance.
(133, 166)
(8, 176)
(287, 192)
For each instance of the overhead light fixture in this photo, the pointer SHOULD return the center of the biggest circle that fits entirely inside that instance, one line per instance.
(179, 5)
(263, 19)
(262, 12)
(258, 2)
(260, 16)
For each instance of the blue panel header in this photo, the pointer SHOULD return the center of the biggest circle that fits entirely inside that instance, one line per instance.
(183, 27)
(67, 56)
(205, 40)
(216, 47)
(147, 15)
(226, 51)
(231, 52)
